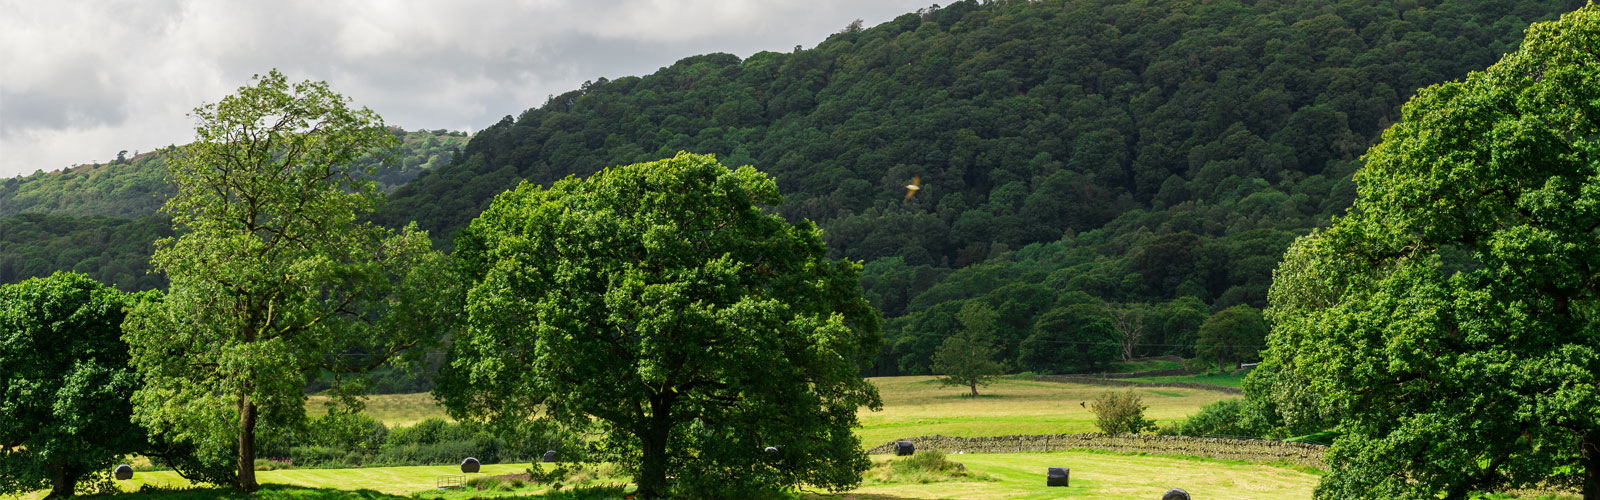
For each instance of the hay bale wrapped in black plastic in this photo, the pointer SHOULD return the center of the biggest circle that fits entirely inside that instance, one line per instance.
(1057, 476)
(123, 472)
(1176, 494)
(904, 448)
(469, 466)
(549, 456)
(771, 450)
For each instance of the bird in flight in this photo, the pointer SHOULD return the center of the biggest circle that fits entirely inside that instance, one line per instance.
(911, 189)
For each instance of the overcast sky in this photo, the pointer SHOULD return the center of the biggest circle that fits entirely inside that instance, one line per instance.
(81, 80)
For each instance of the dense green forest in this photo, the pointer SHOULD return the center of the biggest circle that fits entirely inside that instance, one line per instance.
(101, 219)
(1089, 169)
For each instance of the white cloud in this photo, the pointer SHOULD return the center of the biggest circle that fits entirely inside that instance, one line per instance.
(81, 80)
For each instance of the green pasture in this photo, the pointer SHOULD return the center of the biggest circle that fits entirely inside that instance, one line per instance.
(1222, 379)
(918, 406)
(1009, 476)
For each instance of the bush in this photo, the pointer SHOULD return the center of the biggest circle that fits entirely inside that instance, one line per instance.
(429, 431)
(1220, 419)
(318, 456)
(1120, 413)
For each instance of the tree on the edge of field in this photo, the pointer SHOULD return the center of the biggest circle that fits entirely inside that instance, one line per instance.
(275, 274)
(966, 359)
(1451, 321)
(64, 384)
(1231, 336)
(661, 307)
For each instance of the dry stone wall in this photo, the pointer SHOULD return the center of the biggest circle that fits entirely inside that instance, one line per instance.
(1248, 450)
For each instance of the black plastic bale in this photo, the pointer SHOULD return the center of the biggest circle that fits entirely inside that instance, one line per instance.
(469, 466)
(1057, 476)
(1176, 494)
(772, 450)
(904, 448)
(123, 472)
(549, 456)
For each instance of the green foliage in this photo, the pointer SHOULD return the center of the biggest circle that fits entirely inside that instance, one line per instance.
(1448, 321)
(967, 358)
(64, 383)
(1225, 418)
(274, 276)
(1120, 413)
(660, 306)
(109, 250)
(137, 186)
(1231, 336)
(1070, 339)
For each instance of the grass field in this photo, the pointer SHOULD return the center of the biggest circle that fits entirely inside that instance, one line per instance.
(1011, 476)
(1221, 379)
(918, 406)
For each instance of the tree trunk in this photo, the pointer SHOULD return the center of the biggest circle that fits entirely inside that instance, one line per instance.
(1589, 449)
(974, 387)
(247, 445)
(652, 478)
(63, 482)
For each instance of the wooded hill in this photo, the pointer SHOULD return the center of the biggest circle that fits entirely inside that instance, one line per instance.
(101, 219)
(1080, 161)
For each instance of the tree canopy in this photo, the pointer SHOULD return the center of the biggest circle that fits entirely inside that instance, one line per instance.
(64, 384)
(273, 274)
(1450, 322)
(661, 306)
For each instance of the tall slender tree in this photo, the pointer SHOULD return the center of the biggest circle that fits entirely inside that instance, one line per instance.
(967, 359)
(274, 273)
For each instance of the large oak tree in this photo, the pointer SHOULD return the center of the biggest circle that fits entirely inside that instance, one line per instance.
(662, 307)
(1451, 320)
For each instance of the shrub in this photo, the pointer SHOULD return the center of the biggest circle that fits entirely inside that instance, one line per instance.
(1220, 419)
(1120, 413)
(318, 456)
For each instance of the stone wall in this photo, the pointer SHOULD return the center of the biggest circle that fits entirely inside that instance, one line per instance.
(1248, 450)
(1079, 379)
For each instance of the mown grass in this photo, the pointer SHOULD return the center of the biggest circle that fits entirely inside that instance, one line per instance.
(1222, 379)
(918, 406)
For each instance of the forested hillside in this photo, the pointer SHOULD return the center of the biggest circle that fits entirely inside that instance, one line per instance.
(136, 186)
(1089, 168)
(101, 219)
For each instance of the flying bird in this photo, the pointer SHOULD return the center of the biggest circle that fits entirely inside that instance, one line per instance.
(911, 189)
